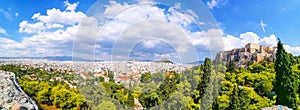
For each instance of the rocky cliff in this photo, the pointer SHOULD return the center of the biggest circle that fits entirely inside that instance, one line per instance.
(11, 94)
(252, 52)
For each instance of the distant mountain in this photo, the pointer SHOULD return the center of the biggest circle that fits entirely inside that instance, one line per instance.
(197, 62)
(54, 58)
(141, 60)
(146, 60)
(69, 58)
(65, 58)
(164, 61)
(58, 58)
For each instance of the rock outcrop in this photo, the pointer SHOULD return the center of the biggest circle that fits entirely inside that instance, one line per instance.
(11, 94)
(277, 107)
(252, 52)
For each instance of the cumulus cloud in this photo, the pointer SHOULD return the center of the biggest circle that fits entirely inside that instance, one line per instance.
(31, 27)
(151, 43)
(293, 50)
(270, 41)
(71, 7)
(63, 17)
(54, 32)
(231, 42)
(248, 37)
(148, 21)
(114, 8)
(11, 48)
(48, 35)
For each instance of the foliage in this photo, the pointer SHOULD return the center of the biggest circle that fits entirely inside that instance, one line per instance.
(45, 91)
(234, 99)
(106, 105)
(205, 86)
(146, 78)
(286, 86)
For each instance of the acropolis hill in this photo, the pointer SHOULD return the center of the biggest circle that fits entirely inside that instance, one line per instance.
(252, 52)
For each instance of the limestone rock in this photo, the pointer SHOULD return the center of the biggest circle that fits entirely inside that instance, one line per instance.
(251, 52)
(11, 94)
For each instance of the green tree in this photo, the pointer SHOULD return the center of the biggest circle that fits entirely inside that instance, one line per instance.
(158, 77)
(285, 86)
(234, 99)
(177, 101)
(111, 76)
(101, 79)
(149, 100)
(106, 105)
(44, 93)
(67, 99)
(184, 87)
(256, 68)
(130, 100)
(207, 69)
(146, 78)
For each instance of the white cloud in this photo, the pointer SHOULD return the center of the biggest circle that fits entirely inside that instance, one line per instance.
(31, 27)
(50, 34)
(263, 25)
(270, 41)
(17, 14)
(294, 50)
(61, 17)
(248, 37)
(55, 25)
(114, 8)
(231, 42)
(36, 15)
(214, 3)
(150, 43)
(180, 19)
(10, 47)
(3, 31)
(71, 7)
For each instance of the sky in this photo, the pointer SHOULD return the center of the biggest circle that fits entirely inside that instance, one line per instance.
(144, 29)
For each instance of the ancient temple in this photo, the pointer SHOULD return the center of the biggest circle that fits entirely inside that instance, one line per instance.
(252, 52)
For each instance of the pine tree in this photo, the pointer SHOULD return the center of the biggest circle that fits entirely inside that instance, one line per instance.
(206, 76)
(234, 99)
(285, 86)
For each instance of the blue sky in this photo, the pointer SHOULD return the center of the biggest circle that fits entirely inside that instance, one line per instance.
(49, 28)
(281, 18)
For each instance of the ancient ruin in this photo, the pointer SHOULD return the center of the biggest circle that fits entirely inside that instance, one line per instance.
(252, 52)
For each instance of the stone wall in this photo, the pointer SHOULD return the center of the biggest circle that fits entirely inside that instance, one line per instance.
(11, 94)
(251, 52)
